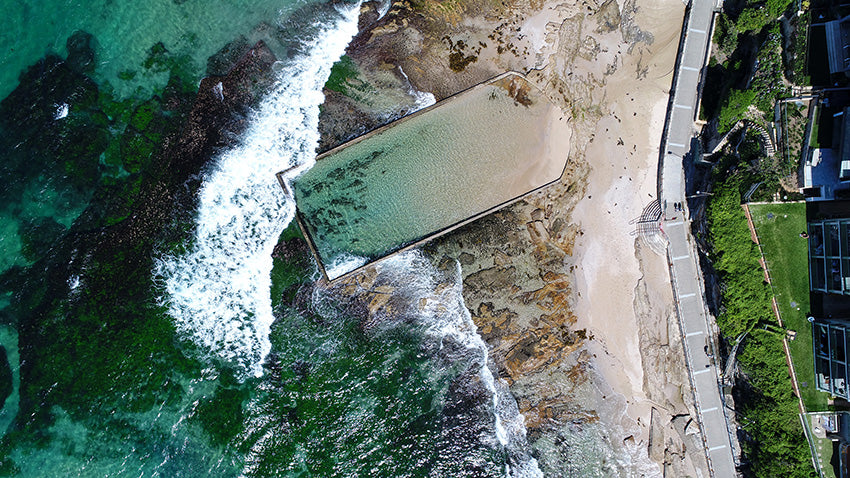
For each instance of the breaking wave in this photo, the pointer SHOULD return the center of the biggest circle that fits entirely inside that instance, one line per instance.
(436, 297)
(219, 292)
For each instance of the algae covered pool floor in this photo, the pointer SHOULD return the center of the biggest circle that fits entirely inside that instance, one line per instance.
(429, 172)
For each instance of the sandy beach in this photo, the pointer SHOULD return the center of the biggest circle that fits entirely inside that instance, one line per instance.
(576, 311)
(623, 154)
(622, 287)
(622, 290)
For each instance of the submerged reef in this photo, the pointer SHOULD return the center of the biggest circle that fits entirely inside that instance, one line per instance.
(94, 342)
(5, 377)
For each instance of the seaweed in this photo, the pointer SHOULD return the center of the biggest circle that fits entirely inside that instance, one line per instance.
(221, 415)
(38, 235)
(458, 59)
(95, 341)
(291, 265)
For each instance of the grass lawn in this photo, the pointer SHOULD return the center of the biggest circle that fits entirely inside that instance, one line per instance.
(779, 227)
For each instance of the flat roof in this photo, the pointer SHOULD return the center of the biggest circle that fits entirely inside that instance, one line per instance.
(830, 347)
(430, 172)
(838, 40)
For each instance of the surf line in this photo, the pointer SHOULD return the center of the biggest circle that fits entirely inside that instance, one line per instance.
(219, 292)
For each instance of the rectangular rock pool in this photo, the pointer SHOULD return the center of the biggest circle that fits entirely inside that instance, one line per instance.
(430, 172)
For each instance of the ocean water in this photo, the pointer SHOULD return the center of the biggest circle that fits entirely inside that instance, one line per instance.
(125, 32)
(186, 343)
(123, 35)
(226, 276)
(192, 352)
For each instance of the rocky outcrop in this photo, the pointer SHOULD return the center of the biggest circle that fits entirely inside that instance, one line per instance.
(517, 286)
(5, 377)
(30, 120)
(517, 264)
(110, 248)
(429, 47)
(675, 439)
(81, 57)
(220, 107)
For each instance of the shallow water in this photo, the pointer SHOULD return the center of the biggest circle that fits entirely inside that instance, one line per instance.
(425, 173)
(125, 31)
(179, 365)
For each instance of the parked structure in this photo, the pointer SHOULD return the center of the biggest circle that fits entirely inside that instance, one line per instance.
(830, 439)
(826, 172)
(829, 255)
(838, 45)
(830, 349)
(829, 282)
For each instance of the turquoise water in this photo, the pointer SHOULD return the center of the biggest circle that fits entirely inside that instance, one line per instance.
(427, 172)
(125, 31)
(147, 328)
(123, 34)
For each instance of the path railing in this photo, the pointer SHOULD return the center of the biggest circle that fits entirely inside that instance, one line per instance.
(763, 262)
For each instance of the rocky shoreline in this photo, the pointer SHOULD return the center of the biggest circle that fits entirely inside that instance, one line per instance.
(585, 342)
(526, 268)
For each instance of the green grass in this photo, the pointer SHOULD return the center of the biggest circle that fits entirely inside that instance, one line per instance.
(779, 227)
(342, 72)
(773, 441)
(813, 139)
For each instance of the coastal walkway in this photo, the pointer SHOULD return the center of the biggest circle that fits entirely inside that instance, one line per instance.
(696, 323)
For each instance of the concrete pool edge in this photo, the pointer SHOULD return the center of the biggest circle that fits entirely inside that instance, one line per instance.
(448, 99)
(305, 229)
(413, 245)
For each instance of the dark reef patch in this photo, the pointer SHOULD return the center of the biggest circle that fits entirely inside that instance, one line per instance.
(6, 385)
(81, 54)
(93, 339)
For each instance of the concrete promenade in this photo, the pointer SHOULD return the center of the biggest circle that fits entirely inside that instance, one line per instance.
(697, 326)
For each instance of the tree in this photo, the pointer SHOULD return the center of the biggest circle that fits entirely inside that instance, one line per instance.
(733, 108)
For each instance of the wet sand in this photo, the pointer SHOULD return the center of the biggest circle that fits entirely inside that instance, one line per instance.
(624, 295)
(576, 313)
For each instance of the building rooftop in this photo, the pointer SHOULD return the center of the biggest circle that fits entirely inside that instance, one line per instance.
(830, 345)
(829, 255)
(838, 45)
(826, 174)
(830, 436)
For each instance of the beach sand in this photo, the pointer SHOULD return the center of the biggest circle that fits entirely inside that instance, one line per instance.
(624, 295)
(623, 155)
(577, 314)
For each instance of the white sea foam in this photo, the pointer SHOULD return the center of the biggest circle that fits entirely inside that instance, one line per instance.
(383, 8)
(61, 111)
(343, 264)
(219, 91)
(74, 282)
(443, 312)
(219, 292)
(423, 99)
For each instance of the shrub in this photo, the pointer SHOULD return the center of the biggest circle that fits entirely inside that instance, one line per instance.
(734, 108)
